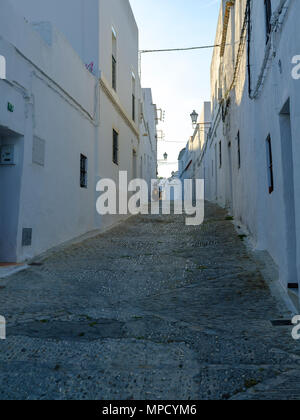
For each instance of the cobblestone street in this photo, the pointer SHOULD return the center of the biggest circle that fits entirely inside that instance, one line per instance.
(150, 310)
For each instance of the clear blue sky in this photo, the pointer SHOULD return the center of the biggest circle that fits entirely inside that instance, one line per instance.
(180, 81)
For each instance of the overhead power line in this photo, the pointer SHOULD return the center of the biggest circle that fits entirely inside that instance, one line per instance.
(172, 141)
(180, 49)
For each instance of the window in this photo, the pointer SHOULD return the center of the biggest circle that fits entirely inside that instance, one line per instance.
(83, 171)
(133, 107)
(268, 15)
(115, 148)
(239, 149)
(114, 73)
(220, 154)
(270, 164)
(114, 60)
(133, 97)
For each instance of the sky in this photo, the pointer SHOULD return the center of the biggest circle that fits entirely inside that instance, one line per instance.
(180, 81)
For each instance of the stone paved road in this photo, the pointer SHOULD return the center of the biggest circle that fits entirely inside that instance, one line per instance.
(149, 310)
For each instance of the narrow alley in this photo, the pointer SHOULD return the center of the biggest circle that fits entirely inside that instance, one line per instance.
(149, 310)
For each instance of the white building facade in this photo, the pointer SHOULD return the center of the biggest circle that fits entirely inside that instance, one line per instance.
(252, 155)
(190, 159)
(148, 141)
(69, 116)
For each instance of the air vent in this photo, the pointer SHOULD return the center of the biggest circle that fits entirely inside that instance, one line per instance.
(38, 151)
(27, 237)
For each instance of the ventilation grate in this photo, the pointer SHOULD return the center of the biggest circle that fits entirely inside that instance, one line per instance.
(27, 237)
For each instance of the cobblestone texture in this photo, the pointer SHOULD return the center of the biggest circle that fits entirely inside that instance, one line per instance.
(150, 310)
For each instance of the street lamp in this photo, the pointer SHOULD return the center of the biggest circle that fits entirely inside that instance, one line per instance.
(194, 117)
(166, 156)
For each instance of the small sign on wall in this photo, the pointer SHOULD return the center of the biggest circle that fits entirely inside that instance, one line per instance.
(10, 107)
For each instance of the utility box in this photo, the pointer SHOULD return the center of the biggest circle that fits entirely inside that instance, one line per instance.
(7, 155)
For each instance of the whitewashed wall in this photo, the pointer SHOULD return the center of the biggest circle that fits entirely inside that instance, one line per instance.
(78, 20)
(191, 159)
(62, 105)
(54, 100)
(271, 219)
(147, 158)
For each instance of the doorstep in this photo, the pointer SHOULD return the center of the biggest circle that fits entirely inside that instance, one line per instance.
(7, 269)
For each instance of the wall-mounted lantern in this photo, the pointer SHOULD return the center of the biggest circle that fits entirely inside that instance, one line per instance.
(194, 117)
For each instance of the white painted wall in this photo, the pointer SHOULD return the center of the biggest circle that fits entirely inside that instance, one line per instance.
(190, 159)
(244, 190)
(78, 20)
(147, 159)
(54, 99)
(71, 111)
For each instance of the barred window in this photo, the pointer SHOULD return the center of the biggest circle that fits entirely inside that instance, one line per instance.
(83, 171)
(268, 16)
(133, 107)
(115, 148)
(114, 60)
(133, 97)
(114, 73)
(239, 149)
(270, 164)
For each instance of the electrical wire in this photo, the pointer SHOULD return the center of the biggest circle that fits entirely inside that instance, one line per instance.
(172, 141)
(180, 49)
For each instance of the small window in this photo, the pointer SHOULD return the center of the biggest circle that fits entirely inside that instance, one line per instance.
(114, 73)
(114, 60)
(133, 97)
(83, 171)
(268, 16)
(133, 107)
(115, 148)
(270, 165)
(239, 149)
(220, 154)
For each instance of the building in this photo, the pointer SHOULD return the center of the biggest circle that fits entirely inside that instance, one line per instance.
(148, 141)
(47, 125)
(70, 116)
(190, 159)
(252, 155)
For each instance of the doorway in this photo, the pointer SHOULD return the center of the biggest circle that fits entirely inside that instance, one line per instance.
(288, 192)
(11, 158)
(230, 192)
(216, 172)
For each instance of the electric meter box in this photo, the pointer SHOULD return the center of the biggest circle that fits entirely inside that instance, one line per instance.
(7, 155)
